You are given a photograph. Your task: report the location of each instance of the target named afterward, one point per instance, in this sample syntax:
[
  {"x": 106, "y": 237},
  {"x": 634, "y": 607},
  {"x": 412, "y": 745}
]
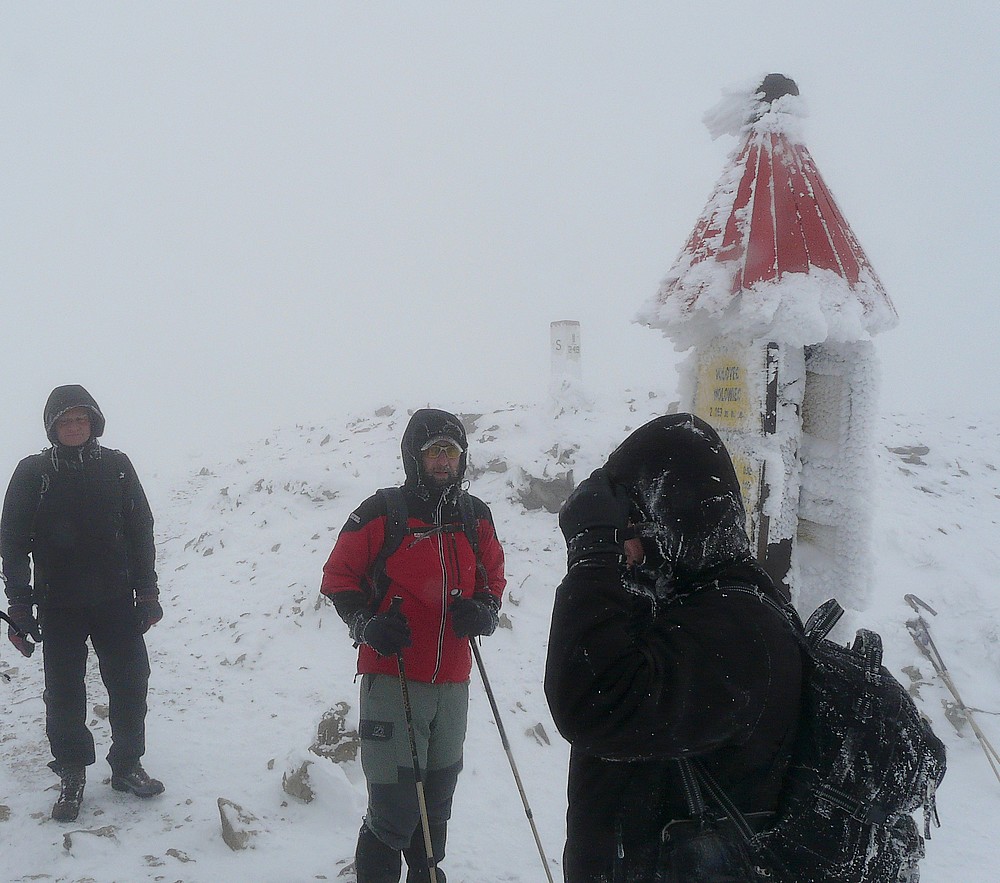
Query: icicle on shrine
[{"x": 778, "y": 303}]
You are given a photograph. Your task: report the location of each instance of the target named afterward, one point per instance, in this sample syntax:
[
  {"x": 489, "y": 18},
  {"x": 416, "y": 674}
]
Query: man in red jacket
[{"x": 448, "y": 597}]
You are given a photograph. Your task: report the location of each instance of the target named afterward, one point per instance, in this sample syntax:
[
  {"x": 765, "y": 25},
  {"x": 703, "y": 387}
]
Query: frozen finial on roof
[
  {"x": 744, "y": 106},
  {"x": 776, "y": 86}
]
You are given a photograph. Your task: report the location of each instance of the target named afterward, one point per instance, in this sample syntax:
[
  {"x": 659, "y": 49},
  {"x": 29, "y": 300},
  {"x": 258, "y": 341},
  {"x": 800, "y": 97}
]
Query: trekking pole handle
[{"x": 916, "y": 603}]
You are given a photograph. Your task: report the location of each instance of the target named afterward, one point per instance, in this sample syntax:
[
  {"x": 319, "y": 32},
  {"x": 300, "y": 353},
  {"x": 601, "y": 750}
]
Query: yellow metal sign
[
  {"x": 748, "y": 474},
  {"x": 723, "y": 393}
]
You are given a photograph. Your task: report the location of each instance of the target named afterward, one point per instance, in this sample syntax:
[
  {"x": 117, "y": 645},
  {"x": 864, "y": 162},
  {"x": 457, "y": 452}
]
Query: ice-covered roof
[{"x": 772, "y": 254}]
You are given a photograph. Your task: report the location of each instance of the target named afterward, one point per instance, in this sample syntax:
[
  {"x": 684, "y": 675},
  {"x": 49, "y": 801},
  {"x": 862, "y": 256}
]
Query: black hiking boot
[
  {"x": 136, "y": 782},
  {"x": 67, "y": 807},
  {"x": 374, "y": 862},
  {"x": 416, "y": 855}
]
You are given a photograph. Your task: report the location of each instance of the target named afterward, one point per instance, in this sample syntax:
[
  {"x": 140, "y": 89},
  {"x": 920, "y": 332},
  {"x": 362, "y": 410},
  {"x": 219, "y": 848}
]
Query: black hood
[
  {"x": 427, "y": 424},
  {"x": 680, "y": 477},
  {"x": 61, "y": 399}
]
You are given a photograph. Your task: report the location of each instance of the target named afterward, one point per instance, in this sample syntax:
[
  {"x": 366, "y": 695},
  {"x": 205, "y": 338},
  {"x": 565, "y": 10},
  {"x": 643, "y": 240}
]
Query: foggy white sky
[{"x": 222, "y": 217}]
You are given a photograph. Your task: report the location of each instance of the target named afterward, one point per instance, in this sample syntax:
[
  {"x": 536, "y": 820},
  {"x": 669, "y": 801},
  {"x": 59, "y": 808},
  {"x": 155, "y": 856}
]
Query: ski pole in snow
[
  {"x": 921, "y": 634},
  {"x": 397, "y": 604},
  {"x": 510, "y": 756}
]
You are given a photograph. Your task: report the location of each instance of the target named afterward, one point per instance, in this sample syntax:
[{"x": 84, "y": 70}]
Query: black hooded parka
[
  {"x": 655, "y": 663},
  {"x": 78, "y": 517},
  {"x": 81, "y": 515}
]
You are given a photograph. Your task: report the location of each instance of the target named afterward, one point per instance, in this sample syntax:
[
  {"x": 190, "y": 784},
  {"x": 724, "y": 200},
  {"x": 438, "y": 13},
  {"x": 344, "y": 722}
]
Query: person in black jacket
[
  {"x": 661, "y": 648},
  {"x": 76, "y": 518}
]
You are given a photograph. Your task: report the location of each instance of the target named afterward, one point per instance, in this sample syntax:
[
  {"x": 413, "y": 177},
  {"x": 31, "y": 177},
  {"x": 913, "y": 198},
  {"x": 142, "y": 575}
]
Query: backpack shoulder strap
[
  {"x": 808, "y": 636},
  {"x": 471, "y": 527},
  {"x": 468, "y": 512},
  {"x": 395, "y": 529}
]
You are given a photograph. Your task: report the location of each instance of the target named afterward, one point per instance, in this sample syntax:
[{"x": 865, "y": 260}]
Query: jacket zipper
[{"x": 444, "y": 592}]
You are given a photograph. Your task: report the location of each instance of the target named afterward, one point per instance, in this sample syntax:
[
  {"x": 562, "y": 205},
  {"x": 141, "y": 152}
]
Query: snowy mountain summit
[{"x": 253, "y": 703}]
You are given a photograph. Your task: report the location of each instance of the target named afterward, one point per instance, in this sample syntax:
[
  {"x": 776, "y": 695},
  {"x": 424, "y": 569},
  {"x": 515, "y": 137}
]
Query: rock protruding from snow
[
  {"x": 239, "y": 826},
  {"x": 333, "y": 739},
  {"x": 548, "y": 493},
  {"x": 296, "y": 783}
]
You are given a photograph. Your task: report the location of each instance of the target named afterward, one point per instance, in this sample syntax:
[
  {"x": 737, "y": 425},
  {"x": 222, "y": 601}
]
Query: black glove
[
  {"x": 386, "y": 633},
  {"x": 149, "y": 610},
  {"x": 474, "y": 616},
  {"x": 24, "y": 620},
  {"x": 594, "y": 519}
]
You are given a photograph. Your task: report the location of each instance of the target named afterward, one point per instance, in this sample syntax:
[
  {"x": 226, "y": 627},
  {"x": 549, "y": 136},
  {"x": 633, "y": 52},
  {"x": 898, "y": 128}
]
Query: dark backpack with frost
[{"x": 863, "y": 762}]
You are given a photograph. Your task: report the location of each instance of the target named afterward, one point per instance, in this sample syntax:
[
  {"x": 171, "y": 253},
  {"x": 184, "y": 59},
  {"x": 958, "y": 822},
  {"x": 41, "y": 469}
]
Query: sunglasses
[{"x": 452, "y": 452}]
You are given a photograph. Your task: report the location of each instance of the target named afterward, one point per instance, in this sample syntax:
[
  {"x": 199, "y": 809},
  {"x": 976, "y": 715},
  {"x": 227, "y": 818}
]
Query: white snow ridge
[{"x": 253, "y": 700}]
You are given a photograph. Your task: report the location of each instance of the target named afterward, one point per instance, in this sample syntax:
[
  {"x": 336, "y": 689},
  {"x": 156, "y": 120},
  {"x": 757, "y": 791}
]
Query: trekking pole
[
  {"x": 510, "y": 756},
  {"x": 14, "y": 627},
  {"x": 397, "y": 605},
  {"x": 921, "y": 634},
  {"x": 17, "y": 631}
]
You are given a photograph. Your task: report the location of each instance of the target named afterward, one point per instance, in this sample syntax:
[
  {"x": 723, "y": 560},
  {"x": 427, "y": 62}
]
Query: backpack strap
[
  {"x": 396, "y": 528},
  {"x": 470, "y": 526},
  {"x": 823, "y": 619},
  {"x": 396, "y": 518}
]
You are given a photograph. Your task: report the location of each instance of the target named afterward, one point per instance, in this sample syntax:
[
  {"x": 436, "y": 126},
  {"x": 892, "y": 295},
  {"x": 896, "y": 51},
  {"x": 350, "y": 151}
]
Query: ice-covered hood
[
  {"x": 62, "y": 399},
  {"x": 425, "y": 425},
  {"x": 682, "y": 481}
]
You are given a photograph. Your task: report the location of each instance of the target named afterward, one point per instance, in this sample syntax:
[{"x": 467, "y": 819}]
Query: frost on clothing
[{"x": 657, "y": 663}]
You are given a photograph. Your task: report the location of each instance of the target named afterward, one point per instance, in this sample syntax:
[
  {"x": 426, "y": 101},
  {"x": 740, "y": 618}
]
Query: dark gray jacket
[{"x": 79, "y": 517}]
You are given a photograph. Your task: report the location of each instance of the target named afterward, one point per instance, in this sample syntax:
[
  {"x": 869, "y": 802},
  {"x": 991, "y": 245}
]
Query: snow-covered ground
[{"x": 246, "y": 662}]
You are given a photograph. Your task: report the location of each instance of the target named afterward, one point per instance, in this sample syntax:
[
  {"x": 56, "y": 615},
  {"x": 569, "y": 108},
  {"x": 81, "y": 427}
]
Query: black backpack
[
  {"x": 863, "y": 761},
  {"x": 396, "y": 529}
]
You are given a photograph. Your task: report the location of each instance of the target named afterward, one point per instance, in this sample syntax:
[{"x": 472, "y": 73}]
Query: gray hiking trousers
[{"x": 440, "y": 713}]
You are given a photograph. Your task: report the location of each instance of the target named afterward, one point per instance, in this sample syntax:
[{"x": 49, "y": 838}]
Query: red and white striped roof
[{"x": 772, "y": 222}]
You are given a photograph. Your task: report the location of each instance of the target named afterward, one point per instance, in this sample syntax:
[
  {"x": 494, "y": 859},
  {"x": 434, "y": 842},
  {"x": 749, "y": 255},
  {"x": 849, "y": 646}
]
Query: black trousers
[{"x": 113, "y": 629}]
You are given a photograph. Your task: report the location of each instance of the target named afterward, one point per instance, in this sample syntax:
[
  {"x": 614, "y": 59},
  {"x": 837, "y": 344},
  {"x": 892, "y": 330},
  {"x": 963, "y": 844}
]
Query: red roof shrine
[{"x": 770, "y": 217}]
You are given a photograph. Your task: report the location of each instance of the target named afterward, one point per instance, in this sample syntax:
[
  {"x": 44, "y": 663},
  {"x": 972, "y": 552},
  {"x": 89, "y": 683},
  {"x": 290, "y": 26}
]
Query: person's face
[
  {"x": 440, "y": 462},
  {"x": 73, "y": 427},
  {"x": 634, "y": 553}
]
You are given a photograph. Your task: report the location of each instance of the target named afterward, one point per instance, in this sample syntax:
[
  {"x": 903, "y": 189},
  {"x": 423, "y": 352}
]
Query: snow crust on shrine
[
  {"x": 771, "y": 255},
  {"x": 778, "y": 303}
]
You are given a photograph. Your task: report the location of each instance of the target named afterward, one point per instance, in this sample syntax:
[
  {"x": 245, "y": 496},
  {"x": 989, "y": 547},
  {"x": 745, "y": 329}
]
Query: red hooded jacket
[{"x": 430, "y": 569}]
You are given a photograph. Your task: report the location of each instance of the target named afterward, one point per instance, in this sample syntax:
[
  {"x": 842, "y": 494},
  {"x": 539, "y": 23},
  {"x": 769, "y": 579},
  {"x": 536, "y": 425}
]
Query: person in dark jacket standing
[
  {"x": 448, "y": 598},
  {"x": 661, "y": 647},
  {"x": 76, "y": 519}
]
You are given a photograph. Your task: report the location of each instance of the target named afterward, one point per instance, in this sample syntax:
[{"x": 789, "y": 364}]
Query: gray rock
[
  {"x": 546, "y": 493},
  {"x": 297, "y": 784},
  {"x": 239, "y": 826},
  {"x": 333, "y": 740}
]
